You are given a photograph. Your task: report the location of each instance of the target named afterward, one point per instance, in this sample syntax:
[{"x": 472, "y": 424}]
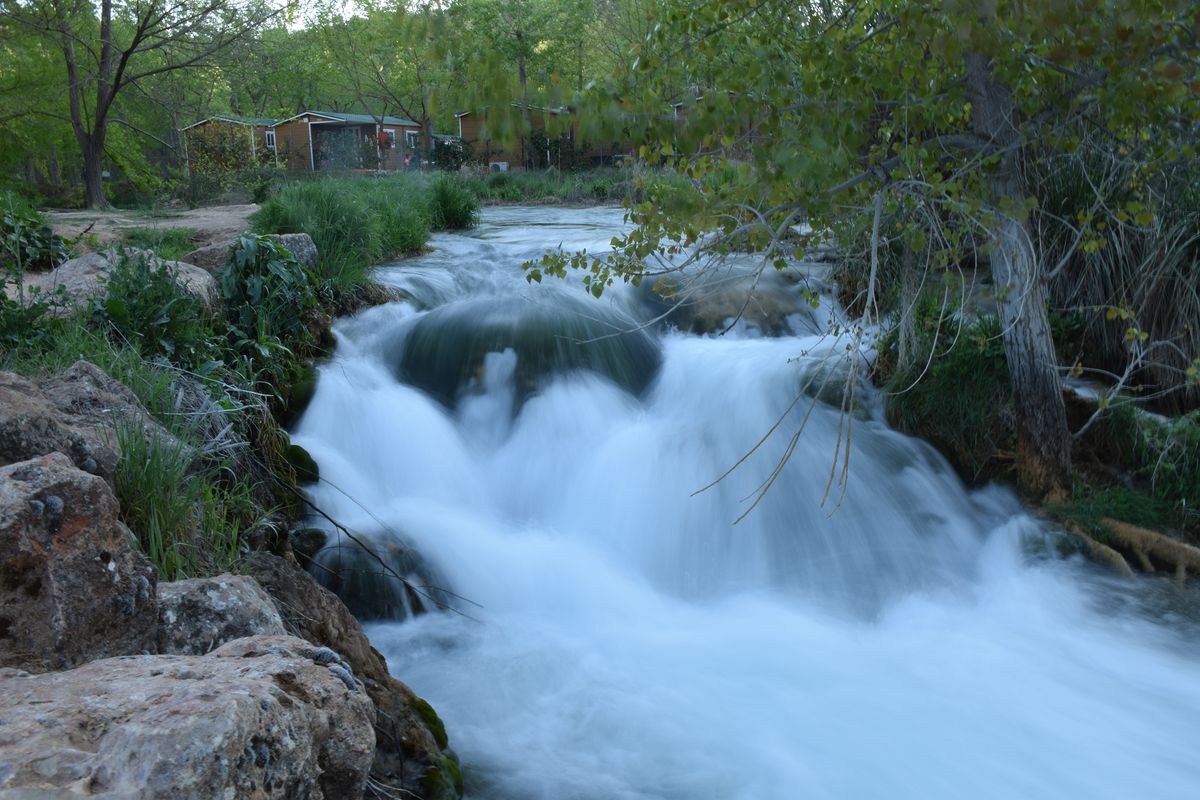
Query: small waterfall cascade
[{"x": 624, "y": 626}]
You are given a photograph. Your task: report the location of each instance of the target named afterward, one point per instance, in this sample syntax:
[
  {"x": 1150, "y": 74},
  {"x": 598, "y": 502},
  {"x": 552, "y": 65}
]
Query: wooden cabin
[
  {"x": 318, "y": 140},
  {"x": 498, "y": 139},
  {"x": 226, "y": 143}
]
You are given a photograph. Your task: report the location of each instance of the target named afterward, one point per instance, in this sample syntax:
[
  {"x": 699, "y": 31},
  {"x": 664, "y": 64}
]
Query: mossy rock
[
  {"x": 433, "y": 722},
  {"x": 305, "y": 466},
  {"x": 444, "y": 352},
  {"x": 443, "y": 780},
  {"x": 307, "y": 542},
  {"x": 297, "y": 395}
]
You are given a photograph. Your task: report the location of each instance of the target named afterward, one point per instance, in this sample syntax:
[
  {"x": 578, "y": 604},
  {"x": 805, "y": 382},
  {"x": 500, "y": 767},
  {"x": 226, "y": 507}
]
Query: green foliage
[
  {"x": 169, "y": 243},
  {"x": 452, "y": 205},
  {"x": 607, "y": 184},
  {"x": 961, "y": 401},
  {"x": 1127, "y": 234},
  {"x": 449, "y": 155},
  {"x": 26, "y": 242},
  {"x": 144, "y": 303},
  {"x": 1162, "y": 455},
  {"x": 269, "y": 297}
]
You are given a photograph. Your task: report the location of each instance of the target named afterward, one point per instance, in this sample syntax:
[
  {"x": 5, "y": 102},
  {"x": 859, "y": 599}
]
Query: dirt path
[{"x": 212, "y": 225}]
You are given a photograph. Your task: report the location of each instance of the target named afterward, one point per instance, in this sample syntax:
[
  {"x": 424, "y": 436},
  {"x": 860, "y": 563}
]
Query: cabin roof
[
  {"x": 263, "y": 121},
  {"x": 357, "y": 119}
]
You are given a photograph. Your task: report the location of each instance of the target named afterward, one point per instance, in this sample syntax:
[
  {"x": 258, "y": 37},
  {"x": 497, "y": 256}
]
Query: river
[{"x": 616, "y": 636}]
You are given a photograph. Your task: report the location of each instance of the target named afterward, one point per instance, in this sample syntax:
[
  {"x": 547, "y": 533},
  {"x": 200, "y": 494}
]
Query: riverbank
[{"x": 144, "y": 412}]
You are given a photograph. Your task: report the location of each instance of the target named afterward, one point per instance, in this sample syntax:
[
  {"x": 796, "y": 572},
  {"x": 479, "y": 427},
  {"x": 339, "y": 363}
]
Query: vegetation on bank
[
  {"x": 357, "y": 222},
  {"x": 217, "y": 380}
]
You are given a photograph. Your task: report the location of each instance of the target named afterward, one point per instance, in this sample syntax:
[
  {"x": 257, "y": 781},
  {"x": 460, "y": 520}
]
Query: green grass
[
  {"x": 169, "y": 243},
  {"x": 1090, "y": 504},
  {"x": 355, "y": 222}
]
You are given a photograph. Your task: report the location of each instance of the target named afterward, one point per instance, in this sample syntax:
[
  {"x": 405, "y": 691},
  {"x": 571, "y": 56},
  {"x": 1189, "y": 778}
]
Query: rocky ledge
[{"x": 259, "y": 685}]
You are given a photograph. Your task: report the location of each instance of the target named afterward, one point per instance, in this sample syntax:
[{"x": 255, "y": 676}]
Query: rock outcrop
[
  {"x": 72, "y": 589},
  {"x": 201, "y": 614},
  {"x": 74, "y": 413},
  {"x": 212, "y": 259},
  {"x": 411, "y": 746},
  {"x": 262, "y": 717}
]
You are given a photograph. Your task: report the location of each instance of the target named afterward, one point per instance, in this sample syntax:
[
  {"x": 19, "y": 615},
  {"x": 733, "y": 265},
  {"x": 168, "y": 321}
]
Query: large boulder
[
  {"x": 75, "y": 413},
  {"x": 201, "y": 614},
  {"x": 84, "y": 277},
  {"x": 72, "y": 589},
  {"x": 213, "y": 258},
  {"x": 263, "y": 717},
  {"x": 412, "y": 751}
]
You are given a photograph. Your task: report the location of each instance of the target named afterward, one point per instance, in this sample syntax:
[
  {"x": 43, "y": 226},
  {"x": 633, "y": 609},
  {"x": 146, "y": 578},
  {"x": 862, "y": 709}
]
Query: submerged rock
[
  {"x": 444, "y": 353},
  {"x": 72, "y": 588},
  {"x": 411, "y": 751},
  {"x": 262, "y": 717},
  {"x": 392, "y": 581},
  {"x": 719, "y": 299},
  {"x": 201, "y": 614}
]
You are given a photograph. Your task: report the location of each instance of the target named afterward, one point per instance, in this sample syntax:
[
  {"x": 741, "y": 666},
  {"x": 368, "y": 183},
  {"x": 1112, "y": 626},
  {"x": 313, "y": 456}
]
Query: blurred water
[{"x": 901, "y": 639}]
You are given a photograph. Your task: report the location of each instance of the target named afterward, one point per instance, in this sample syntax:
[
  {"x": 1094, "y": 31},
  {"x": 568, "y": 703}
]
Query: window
[
  {"x": 388, "y": 139},
  {"x": 412, "y": 139},
  {"x": 270, "y": 137}
]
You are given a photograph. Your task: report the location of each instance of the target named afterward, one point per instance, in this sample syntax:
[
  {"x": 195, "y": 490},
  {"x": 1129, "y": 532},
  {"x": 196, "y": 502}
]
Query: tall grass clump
[
  {"x": 355, "y": 223},
  {"x": 1137, "y": 267},
  {"x": 174, "y": 511},
  {"x": 145, "y": 304},
  {"x": 452, "y": 206}
]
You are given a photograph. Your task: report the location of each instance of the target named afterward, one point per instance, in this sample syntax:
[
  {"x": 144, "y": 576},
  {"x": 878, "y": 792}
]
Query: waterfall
[{"x": 613, "y": 634}]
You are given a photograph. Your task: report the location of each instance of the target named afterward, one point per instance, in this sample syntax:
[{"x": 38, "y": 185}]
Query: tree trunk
[
  {"x": 1043, "y": 439},
  {"x": 93, "y": 172}
]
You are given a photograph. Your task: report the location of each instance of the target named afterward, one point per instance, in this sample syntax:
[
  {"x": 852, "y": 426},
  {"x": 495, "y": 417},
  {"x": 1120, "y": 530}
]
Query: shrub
[
  {"x": 452, "y": 205},
  {"x": 26, "y": 242},
  {"x": 268, "y": 296},
  {"x": 1162, "y": 455},
  {"x": 144, "y": 304}
]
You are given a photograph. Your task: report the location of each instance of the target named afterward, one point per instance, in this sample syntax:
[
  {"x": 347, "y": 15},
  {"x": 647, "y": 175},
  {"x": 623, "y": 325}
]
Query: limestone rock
[
  {"x": 82, "y": 278},
  {"x": 411, "y": 746},
  {"x": 213, "y": 258},
  {"x": 263, "y": 717},
  {"x": 199, "y": 615},
  {"x": 74, "y": 413},
  {"x": 71, "y": 586},
  {"x": 300, "y": 245}
]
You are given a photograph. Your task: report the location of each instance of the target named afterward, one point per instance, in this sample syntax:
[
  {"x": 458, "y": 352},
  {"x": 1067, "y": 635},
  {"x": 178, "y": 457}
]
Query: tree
[
  {"x": 119, "y": 44},
  {"x": 920, "y": 117},
  {"x": 395, "y": 59}
]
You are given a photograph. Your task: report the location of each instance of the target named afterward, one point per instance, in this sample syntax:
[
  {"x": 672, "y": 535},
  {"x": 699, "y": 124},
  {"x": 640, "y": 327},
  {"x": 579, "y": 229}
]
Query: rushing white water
[{"x": 626, "y": 640}]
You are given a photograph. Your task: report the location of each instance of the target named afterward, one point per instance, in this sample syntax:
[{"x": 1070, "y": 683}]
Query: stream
[{"x": 614, "y": 635}]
